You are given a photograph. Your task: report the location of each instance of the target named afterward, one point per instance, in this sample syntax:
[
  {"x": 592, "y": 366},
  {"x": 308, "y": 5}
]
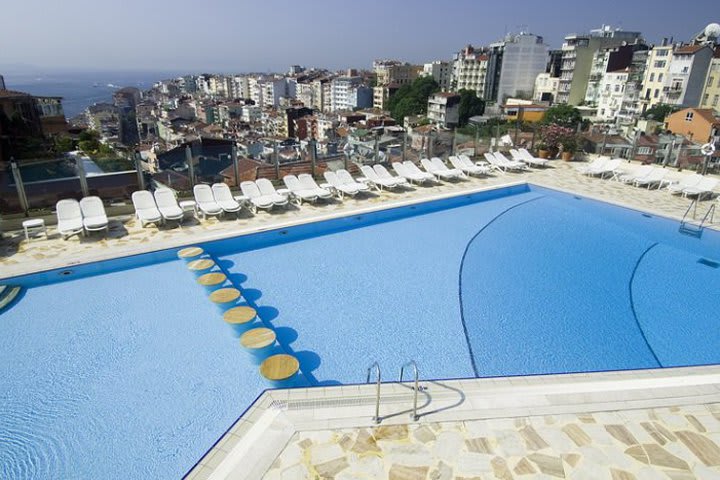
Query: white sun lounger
[
  {"x": 469, "y": 169},
  {"x": 167, "y": 205},
  {"x": 205, "y": 201},
  {"x": 638, "y": 173},
  {"x": 146, "y": 210},
  {"x": 527, "y": 157},
  {"x": 514, "y": 164},
  {"x": 687, "y": 181},
  {"x": 268, "y": 190},
  {"x": 347, "y": 179},
  {"x": 383, "y": 173},
  {"x": 593, "y": 166},
  {"x": 705, "y": 187},
  {"x": 69, "y": 218},
  {"x": 651, "y": 179},
  {"x": 431, "y": 166},
  {"x": 308, "y": 183},
  {"x": 94, "y": 217},
  {"x": 224, "y": 198},
  {"x": 257, "y": 200},
  {"x": 413, "y": 170},
  {"x": 341, "y": 189},
  {"x": 501, "y": 163},
  {"x": 300, "y": 193},
  {"x": 375, "y": 180}
]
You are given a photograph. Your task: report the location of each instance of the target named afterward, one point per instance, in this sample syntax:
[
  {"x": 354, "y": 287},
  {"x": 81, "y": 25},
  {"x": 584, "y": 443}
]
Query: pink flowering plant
[{"x": 552, "y": 136}]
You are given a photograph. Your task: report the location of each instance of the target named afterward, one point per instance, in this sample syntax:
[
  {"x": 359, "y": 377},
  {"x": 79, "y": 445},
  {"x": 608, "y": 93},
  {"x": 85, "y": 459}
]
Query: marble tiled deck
[{"x": 127, "y": 237}]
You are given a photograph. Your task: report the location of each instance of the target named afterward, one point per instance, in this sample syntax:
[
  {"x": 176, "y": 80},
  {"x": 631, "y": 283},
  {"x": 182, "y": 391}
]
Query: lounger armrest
[
  {"x": 241, "y": 199},
  {"x": 285, "y": 192},
  {"x": 363, "y": 180}
]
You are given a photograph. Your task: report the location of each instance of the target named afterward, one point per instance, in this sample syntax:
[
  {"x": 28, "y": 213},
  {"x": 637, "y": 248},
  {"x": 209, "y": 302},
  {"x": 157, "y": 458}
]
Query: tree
[
  {"x": 470, "y": 106},
  {"x": 64, "y": 144},
  {"x": 659, "y": 112},
  {"x": 563, "y": 115},
  {"x": 412, "y": 99}
]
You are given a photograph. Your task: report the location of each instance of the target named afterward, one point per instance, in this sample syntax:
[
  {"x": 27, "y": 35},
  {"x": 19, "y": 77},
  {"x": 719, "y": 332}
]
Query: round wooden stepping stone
[
  {"x": 257, "y": 338},
  {"x": 279, "y": 367},
  {"x": 199, "y": 265},
  {"x": 240, "y": 315},
  {"x": 190, "y": 252},
  {"x": 211, "y": 279},
  {"x": 225, "y": 295}
]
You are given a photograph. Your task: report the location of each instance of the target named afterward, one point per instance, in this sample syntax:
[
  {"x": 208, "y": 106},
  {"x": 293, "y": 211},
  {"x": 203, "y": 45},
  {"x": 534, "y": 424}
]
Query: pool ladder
[
  {"x": 375, "y": 367},
  {"x": 689, "y": 228}
]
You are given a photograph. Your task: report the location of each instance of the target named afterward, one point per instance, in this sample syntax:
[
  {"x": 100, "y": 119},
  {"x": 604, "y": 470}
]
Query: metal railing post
[
  {"x": 313, "y": 156},
  {"x": 191, "y": 167},
  {"x": 404, "y": 145},
  {"x": 19, "y": 186},
  {"x": 416, "y": 388},
  {"x": 375, "y": 366},
  {"x": 236, "y": 170},
  {"x": 139, "y": 170},
  {"x": 80, "y": 170}
]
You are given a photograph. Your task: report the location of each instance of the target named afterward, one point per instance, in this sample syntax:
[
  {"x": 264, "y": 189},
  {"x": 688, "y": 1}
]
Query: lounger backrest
[
  {"x": 368, "y": 172},
  {"x": 381, "y": 171},
  {"x": 411, "y": 167},
  {"x": 165, "y": 198},
  {"x": 143, "y": 200},
  {"x": 691, "y": 180},
  {"x": 438, "y": 164},
  {"x": 203, "y": 194},
  {"x": 611, "y": 165},
  {"x": 68, "y": 209},
  {"x": 250, "y": 190},
  {"x": 345, "y": 177},
  {"x": 265, "y": 186},
  {"x": 222, "y": 192},
  {"x": 400, "y": 169},
  {"x": 92, "y": 207},
  {"x": 501, "y": 157},
  {"x": 707, "y": 184},
  {"x": 292, "y": 183},
  {"x": 465, "y": 160},
  {"x": 456, "y": 162},
  {"x": 643, "y": 171},
  {"x": 427, "y": 165},
  {"x": 331, "y": 178},
  {"x": 491, "y": 158},
  {"x": 307, "y": 181}
]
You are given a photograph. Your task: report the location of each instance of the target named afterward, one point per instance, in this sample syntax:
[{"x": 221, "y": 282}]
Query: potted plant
[
  {"x": 543, "y": 151},
  {"x": 552, "y": 137},
  {"x": 569, "y": 147}
]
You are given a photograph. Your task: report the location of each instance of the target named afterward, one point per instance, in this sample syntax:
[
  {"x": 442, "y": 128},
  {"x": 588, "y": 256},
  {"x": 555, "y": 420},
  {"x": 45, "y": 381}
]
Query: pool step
[{"x": 8, "y": 293}]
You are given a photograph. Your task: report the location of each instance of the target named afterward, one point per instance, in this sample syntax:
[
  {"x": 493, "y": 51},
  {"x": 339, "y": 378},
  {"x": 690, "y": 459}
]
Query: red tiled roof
[
  {"x": 688, "y": 49},
  {"x": 13, "y": 93}
]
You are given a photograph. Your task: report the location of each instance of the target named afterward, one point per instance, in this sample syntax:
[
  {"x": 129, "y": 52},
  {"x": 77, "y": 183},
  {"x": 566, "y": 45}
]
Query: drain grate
[{"x": 709, "y": 263}]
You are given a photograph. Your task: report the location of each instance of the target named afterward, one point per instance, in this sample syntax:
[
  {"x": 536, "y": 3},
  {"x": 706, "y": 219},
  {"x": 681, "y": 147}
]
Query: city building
[
  {"x": 348, "y": 93},
  {"x": 382, "y": 93},
  {"x": 699, "y": 125},
  {"x": 251, "y": 113},
  {"x": 711, "y": 89},
  {"x": 393, "y": 71},
  {"x": 657, "y": 69},
  {"x": 523, "y": 57},
  {"x": 523, "y": 111},
  {"x": 440, "y": 71},
  {"x": 444, "y": 109},
  {"x": 470, "y": 66},
  {"x": 577, "y": 59},
  {"x": 614, "y": 59},
  {"x": 126, "y": 101},
  {"x": 685, "y": 81},
  {"x": 546, "y": 88}
]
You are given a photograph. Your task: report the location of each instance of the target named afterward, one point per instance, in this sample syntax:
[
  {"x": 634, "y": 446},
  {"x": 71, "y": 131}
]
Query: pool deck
[{"x": 644, "y": 424}]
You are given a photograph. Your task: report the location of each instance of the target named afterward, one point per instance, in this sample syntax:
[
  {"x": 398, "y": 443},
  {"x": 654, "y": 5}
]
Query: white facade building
[
  {"x": 440, "y": 71},
  {"x": 524, "y": 56},
  {"x": 251, "y": 113},
  {"x": 444, "y": 109},
  {"x": 546, "y": 88}
]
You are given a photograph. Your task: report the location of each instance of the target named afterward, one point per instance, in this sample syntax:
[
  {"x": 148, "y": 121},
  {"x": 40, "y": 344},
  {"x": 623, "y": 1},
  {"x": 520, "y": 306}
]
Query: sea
[{"x": 82, "y": 89}]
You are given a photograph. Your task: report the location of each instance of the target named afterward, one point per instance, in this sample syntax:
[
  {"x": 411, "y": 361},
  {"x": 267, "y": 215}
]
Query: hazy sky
[{"x": 270, "y": 35}]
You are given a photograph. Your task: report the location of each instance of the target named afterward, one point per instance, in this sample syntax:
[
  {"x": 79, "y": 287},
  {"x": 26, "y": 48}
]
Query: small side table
[
  {"x": 34, "y": 226},
  {"x": 189, "y": 206},
  {"x": 284, "y": 192}
]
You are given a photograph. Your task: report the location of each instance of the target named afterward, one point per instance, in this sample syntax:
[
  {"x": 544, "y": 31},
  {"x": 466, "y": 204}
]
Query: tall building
[
  {"x": 469, "y": 72},
  {"x": 524, "y": 56},
  {"x": 656, "y": 72},
  {"x": 126, "y": 100},
  {"x": 395, "y": 72},
  {"x": 613, "y": 59},
  {"x": 348, "y": 93},
  {"x": 685, "y": 81},
  {"x": 444, "y": 109},
  {"x": 578, "y": 52},
  {"x": 711, "y": 89},
  {"x": 440, "y": 71}
]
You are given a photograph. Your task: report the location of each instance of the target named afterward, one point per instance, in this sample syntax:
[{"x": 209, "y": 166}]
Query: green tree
[
  {"x": 470, "y": 106},
  {"x": 563, "y": 115},
  {"x": 64, "y": 144},
  {"x": 412, "y": 99},
  {"x": 659, "y": 112}
]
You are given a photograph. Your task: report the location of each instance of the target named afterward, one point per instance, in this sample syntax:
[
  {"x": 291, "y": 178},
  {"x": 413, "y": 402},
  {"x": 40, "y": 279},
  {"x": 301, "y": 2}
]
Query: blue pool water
[{"x": 125, "y": 366}]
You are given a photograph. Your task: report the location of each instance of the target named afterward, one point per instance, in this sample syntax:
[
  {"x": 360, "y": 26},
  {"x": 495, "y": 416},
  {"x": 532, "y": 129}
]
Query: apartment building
[
  {"x": 382, "y": 93},
  {"x": 522, "y": 58},
  {"x": 657, "y": 69},
  {"x": 614, "y": 59},
  {"x": 546, "y": 88},
  {"x": 696, "y": 124},
  {"x": 711, "y": 89},
  {"x": 577, "y": 59},
  {"x": 348, "y": 93},
  {"x": 440, "y": 71},
  {"x": 444, "y": 109},
  {"x": 470, "y": 69},
  {"x": 685, "y": 81},
  {"x": 395, "y": 72}
]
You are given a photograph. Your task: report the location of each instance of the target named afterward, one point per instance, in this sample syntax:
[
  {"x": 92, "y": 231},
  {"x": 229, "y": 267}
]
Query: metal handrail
[
  {"x": 710, "y": 213},
  {"x": 692, "y": 206},
  {"x": 412, "y": 364},
  {"x": 375, "y": 366}
]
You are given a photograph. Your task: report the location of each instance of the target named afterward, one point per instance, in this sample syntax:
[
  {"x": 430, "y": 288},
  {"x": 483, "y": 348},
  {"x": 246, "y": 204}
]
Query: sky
[{"x": 269, "y": 35}]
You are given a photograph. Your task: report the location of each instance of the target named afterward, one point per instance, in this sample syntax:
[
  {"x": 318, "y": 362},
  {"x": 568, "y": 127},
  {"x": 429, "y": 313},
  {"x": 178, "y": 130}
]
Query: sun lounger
[
  {"x": 383, "y": 173},
  {"x": 257, "y": 200},
  {"x": 300, "y": 193},
  {"x": 224, "y": 198},
  {"x": 268, "y": 190},
  {"x": 651, "y": 179},
  {"x": 527, "y": 157},
  {"x": 593, "y": 166},
  {"x": 308, "y": 183},
  {"x": 146, "y": 210},
  {"x": 705, "y": 187},
  {"x": 514, "y": 164},
  {"x": 501, "y": 163},
  {"x": 69, "y": 218},
  {"x": 636, "y": 174},
  {"x": 467, "y": 168},
  {"x": 687, "y": 181},
  {"x": 412, "y": 172},
  {"x": 205, "y": 201},
  {"x": 93, "y": 212},
  {"x": 440, "y": 170},
  {"x": 167, "y": 205},
  {"x": 375, "y": 180}
]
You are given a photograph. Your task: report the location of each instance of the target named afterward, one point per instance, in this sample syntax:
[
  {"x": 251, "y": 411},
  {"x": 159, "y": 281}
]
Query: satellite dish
[{"x": 712, "y": 30}]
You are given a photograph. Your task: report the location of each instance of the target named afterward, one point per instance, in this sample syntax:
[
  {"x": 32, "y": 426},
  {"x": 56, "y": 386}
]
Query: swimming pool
[{"x": 125, "y": 366}]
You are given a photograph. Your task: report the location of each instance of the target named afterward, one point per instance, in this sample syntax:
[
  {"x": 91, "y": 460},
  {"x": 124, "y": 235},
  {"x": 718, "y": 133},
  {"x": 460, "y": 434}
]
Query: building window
[
  {"x": 689, "y": 117},
  {"x": 706, "y": 97},
  {"x": 710, "y": 81},
  {"x": 652, "y": 77},
  {"x": 659, "y": 64},
  {"x": 662, "y": 53},
  {"x": 685, "y": 69},
  {"x": 660, "y": 77},
  {"x": 716, "y": 98},
  {"x": 644, "y": 151},
  {"x": 657, "y": 93}
]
